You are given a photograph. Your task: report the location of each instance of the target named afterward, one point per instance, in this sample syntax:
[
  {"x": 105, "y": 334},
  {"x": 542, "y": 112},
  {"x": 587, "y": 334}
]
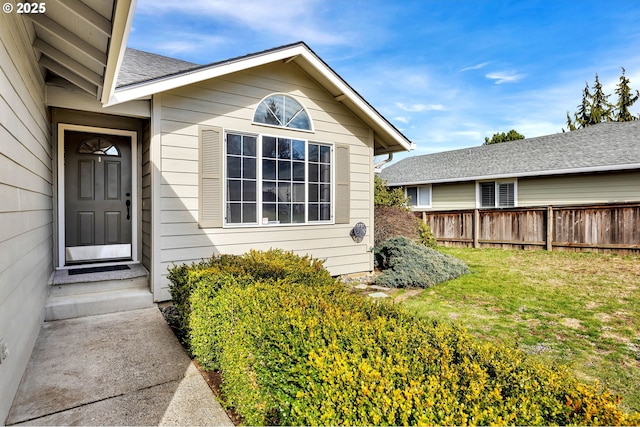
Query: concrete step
[{"x": 89, "y": 294}]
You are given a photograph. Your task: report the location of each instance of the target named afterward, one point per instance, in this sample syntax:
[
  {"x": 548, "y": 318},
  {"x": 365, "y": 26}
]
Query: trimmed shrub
[
  {"x": 293, "y": 354},
  {"x": 252, "y": 266},
  {"x": 406, "y": 264}
]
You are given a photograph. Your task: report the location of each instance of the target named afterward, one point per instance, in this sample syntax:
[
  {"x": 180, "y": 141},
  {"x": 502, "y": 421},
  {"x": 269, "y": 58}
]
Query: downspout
[{"x": 377, "y": 167}]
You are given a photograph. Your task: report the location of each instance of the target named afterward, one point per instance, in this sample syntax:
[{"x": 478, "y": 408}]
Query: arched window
[
  {"x": 282, "y": 111},
  {"x": 99, "y": 145}
]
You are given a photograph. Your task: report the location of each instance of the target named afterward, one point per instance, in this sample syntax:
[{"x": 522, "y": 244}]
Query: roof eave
[
  {"x": 122, "y": 19},
  {"x": 593, "y": 169},
  {"x": 301, "y": 54}
]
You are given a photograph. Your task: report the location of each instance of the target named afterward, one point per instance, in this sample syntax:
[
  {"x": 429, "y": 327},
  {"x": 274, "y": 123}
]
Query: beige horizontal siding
[
  {"x": 580, "y": 189},
  {"x": 453, "y": 196},
  {"x": 26, "y": 210},
  {"x": 229, "y": 103}
]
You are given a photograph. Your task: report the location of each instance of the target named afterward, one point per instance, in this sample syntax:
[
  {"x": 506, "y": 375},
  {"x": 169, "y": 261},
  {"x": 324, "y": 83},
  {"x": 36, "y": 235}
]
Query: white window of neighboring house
[
  {"x": 496, "y": 194},
  {"x": 271, "y": 180},
  {"x": 282, "y": 111},
  {"x": 420, "y": 196}
]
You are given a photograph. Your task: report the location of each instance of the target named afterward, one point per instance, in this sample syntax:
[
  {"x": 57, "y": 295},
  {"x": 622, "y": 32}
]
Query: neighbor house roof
[
  {"x": 603, "y": 147},
  {"x": 167, "y": 74}
]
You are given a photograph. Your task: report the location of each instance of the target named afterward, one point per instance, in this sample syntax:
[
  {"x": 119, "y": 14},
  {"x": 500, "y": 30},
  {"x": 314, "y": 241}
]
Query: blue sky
[{"x": 446, "y": 73}]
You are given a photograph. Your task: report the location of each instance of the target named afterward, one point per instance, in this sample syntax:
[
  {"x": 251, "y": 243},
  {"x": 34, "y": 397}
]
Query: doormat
[{"x": 100, "y": 269}]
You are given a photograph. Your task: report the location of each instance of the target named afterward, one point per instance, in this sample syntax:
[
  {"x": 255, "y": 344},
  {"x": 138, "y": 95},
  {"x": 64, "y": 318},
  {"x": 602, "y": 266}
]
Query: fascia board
[
  {"x": 189, "y": 77},
  {"x": 122, "y": 20},
  {"x": 595, "y": 169}
]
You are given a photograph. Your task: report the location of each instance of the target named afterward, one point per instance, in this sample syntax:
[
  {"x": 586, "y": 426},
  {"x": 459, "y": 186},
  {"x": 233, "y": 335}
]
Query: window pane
[
  {"x": 284, "y": 170},
  {"x": 268, "y": 169},
  {"x": 314, "y": 212},
  {"x": 269, "y": 211},
  {"x": 284, "y": 191},
  {"x": 249, "y": 213},
  {"x": 249, "y": 169},
  {"x": 249, "y": 146},
  {"x": 249, "y": 191},
  {"x": 424, "y": 196},
  {"x": 506, "y": 196},
  {"x": 301, "y": 121},
  {"x": 412, "y": 192},
  {"x": 284, "y": 213},
  {"x": 487, "y": 194},
  {"x": 234, "y": 213},
  {"x": 325, "y": 212},
  {"x": 298, "y": 213},
  {"x": 234, "y": 167},
  {"x": 314, "y": 173},
  {"x": 298, "y": 150},
  {"x": 314, "y": 192},
  {"x": 325, "y": 173},
  {"x": 234, "y": 190},
  {"x": 268, "y": 147},
  {"x": 298, "y": 171},
  {"x": 325, "y": 192},
  {"x": 268, "y": 191},
  {"x": 284, "y": 148},
  {"x": 325, "y": 154},
  {"x": 298, "y": 193},
  {"x": 234, "y": 144},
  {"x": 313, "y": 152}
]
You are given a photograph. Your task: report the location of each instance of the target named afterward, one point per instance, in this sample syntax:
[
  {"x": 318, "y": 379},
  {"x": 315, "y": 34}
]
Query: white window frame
[
  {"x": 418, "y": 187},
  {"x": 260, "y": 179},
  {"x": 311, "y": 127},
  {"x": 496, "y": 202}
]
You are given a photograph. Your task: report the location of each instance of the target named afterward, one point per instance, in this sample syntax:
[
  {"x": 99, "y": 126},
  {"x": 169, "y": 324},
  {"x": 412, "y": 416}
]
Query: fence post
[
  {"x": 549, "y": 228},
  {"x": 476, "y": 228}
]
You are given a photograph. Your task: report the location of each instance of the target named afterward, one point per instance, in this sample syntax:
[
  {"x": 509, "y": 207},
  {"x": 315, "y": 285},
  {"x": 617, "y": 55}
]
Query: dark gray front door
[{"x": 97, "y": 196}]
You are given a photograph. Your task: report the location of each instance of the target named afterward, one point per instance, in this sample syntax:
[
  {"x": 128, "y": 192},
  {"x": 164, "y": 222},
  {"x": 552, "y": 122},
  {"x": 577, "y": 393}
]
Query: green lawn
[{"x": 580, "y": 309}]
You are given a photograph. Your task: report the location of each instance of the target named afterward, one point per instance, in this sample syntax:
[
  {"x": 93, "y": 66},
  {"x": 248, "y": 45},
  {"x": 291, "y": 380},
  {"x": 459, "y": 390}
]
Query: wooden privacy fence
[{"x": 602, "y": 228}]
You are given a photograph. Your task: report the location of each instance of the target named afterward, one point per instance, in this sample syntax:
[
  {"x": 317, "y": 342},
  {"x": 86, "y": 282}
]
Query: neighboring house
[
  {"x": 595, "y": 165},
  {"x": 174, "y": 162}
]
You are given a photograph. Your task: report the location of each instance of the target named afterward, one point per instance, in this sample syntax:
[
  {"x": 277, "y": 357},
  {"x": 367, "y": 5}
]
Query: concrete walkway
[{"x": 113, "y": 369}]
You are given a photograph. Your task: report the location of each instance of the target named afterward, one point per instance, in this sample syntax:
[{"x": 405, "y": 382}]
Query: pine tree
[
  {"x": 625, "y": 100},
  {"x": 583, "y": 115},
  {"x": 497, "y": 138},
  {"x": 601, "y": 108}
]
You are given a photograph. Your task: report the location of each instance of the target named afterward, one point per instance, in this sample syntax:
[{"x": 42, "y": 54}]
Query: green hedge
[{"x": 314, "y": 353}]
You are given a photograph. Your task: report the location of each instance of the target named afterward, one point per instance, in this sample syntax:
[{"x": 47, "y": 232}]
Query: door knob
[{"x": 128, "y": 203}]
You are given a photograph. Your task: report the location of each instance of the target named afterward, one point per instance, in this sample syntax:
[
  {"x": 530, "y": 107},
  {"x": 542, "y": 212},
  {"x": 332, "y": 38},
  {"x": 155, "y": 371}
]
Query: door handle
[{"x": 128, "y": 203}]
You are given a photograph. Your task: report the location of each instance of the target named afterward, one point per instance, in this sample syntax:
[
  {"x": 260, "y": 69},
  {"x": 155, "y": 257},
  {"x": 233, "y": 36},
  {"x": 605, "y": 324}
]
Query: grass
[{"x": 578, "y": 309}]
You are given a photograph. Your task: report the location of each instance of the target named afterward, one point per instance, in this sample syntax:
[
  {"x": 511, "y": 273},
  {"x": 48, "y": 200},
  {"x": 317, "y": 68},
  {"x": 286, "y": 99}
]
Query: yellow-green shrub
[{"x": 295, "y": 354}]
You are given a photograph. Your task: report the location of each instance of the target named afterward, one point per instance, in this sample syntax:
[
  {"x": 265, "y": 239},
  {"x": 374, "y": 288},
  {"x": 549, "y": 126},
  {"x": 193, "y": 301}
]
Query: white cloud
[
  {"x": 476, "y": 67},
  {"x": 418, "y": 108},
  {"x": 402, "y": 119},
  {"x": 505, "y": 77}
]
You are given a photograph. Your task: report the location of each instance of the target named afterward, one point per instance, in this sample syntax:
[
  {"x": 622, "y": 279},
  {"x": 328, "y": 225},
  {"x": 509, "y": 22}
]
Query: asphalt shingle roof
[
  {"x": 139, "y": 66},
  {"x": 610, "y": 144}
]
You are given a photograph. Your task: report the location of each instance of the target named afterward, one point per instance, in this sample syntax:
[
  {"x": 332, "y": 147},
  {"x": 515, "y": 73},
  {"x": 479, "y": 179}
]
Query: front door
[{"x": 98, "y": 208}]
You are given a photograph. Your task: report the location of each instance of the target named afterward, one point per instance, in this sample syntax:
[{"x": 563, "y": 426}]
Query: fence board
[{"x": 601, "y": 228}]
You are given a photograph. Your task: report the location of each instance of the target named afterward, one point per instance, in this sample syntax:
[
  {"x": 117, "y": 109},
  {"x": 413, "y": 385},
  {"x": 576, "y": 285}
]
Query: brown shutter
[
  {"x": 343, "y": 184},
  {"x": 210, "y": 177}
]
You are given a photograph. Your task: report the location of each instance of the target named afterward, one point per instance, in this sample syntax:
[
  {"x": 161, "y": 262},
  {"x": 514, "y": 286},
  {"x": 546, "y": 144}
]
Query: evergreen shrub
[
  {"x": 294, "y": 354},
  {"x": 405, "y": 264}
]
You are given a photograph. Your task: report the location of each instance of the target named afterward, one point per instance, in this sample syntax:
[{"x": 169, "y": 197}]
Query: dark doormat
[{"x": 100, "y": 269}]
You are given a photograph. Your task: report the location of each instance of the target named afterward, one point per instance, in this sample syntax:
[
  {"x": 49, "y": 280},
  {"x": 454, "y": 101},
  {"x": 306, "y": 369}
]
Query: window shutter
[
  {"x": 210, "y": 177},
  {"x": 343, "y": 184}
]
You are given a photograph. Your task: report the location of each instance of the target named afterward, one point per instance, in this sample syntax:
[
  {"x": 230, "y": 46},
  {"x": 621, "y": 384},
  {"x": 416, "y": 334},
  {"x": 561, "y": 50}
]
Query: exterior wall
[
  {"x": 453, "y": 196},
  {"x": 580, "y": 189},
  {"x": 146, "y": 196},
  {"x": 229, "y": 103},
  {"x": 26, "y": 192}
]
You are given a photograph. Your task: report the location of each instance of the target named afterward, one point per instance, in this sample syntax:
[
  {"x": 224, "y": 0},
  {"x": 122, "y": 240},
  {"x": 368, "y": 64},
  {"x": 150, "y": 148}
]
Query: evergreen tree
[
  {"x": 625, "y": 100},
  {"x": 601, "y": 108},
  {"x": 497, "y": 138}
]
